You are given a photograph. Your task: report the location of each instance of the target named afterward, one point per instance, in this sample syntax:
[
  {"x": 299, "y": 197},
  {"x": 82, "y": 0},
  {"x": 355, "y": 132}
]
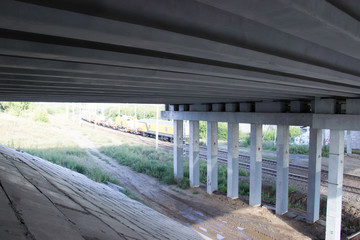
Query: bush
[
  {"x": 222, "y": 131},
  {"x": 325, "y": 151},
  {"x": 243, "y": 172},
  {"x": 295, "y": 131},
  {"x": 270, "y": 135},
  {"x": 298, "y": 149},
  {"x": 269, "y": 146},
  {"x": 15, "y": 108},
  {"x": 145, "y": 160},
  {"x": 245, "y": 141},
  {"x": 202, "y": 130},
  {"x": 74, "y": 159},
  {"x": 41, "y": 116},
  {"x": 183, "y": 183},
  {"x": 244, "y": 189}
]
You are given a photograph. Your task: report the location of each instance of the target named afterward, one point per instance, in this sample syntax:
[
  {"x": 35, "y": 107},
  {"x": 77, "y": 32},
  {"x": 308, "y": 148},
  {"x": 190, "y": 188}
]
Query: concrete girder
[
  {"x": 317, "y": 121},
  {"x": 131, "y": 83},
  {"x": 20, "y": 48},
  {"x": 65, "y": 69},
  {"x": 100, "y": 80},
  {"x": 296, "y": 119},
  {"x": 284, "y": 13},
  {"x": 76, "y": 26}
]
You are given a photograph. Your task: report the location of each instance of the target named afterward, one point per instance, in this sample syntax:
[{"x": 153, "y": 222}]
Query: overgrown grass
[
  {"x": 293, "y": 149},
  {"x": 75, "y": 159},
  {"x": 144, "y": 160},
  {"x": 159, "y": 165},
  {"x": 128, "y": 193}
]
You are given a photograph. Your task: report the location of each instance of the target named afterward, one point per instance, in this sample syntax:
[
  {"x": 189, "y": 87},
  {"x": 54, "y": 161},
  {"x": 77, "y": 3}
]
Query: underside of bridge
[{"x": 281, "y": 62}]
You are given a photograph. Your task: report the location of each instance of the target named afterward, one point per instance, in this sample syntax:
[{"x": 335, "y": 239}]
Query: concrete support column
[
  {"x": 282, "y": 169},
  {"x": 335, "y": 181},
  {"x": 233, "y": 161},
  {"x": 212, "y": 152},
  {"x": 178, "y": 149},
  {"x": 194, "y": 161},
  {"x": 255, "y": 165},
  {"x": 348, "y": 141},
  {"x": 314, "y": 175}
]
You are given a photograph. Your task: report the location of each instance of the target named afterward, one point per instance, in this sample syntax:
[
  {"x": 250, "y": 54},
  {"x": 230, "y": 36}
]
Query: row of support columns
[{"x": 336, "y": 163}]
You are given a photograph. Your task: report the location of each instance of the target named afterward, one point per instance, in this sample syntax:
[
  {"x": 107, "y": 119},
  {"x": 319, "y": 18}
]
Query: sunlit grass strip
[
  {"x": 75, "y": 159},
  {"x": 159, "y": 164}
]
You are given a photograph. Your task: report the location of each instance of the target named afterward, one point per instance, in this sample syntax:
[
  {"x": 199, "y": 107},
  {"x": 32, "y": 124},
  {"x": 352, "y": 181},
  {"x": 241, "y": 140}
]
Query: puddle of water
[
  {"x": 218, "y": 236},
  {"x": 203, "y": 229}
]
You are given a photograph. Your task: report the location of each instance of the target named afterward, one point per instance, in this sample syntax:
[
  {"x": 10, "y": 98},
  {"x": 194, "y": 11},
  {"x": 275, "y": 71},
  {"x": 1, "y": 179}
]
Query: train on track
[{"x": 144, "y": 127}]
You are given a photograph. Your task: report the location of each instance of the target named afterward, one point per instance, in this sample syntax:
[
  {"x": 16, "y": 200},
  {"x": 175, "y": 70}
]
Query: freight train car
[
  {"x": 127, "y": 123},
  {"x": 144, "y": 127},
  {"x": 147, "y": 128}
]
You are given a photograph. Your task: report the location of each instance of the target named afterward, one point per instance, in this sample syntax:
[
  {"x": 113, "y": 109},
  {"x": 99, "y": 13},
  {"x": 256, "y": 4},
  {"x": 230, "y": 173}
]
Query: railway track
[{"x": 245, "y": 161}]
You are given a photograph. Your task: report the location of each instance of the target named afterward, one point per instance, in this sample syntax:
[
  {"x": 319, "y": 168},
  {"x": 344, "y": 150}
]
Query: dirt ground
[{"x": 215, "y": 216}]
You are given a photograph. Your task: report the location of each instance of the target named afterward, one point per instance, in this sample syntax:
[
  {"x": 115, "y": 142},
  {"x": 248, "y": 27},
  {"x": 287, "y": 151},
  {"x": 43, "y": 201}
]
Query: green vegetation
[
  {"x": 142, "y": 111},
  {"x": 144, "y": 160},
  {"x": 243, "y": 172},
  {"x": 293, "y": 148},
  {"x": 325, "y": 151},
  {"x": 292, "y": 189},
  {"x": 128, "y": 193},
  {"x": 298, "y": 149},
  {"x": 46, "y": 139},
  {"x": 16, "y": 108},
  {"x": 159, "y": 165},
  {"x": 40, "y": 115},
  {"x": 222, "y": 130},
  {"x": 75, "y": 159},
  {"x": 269, "y": 197}
]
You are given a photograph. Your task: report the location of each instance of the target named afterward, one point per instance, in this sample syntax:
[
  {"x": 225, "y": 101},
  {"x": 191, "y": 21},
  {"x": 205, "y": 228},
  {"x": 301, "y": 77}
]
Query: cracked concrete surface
[{"x": 41, "y": 200}]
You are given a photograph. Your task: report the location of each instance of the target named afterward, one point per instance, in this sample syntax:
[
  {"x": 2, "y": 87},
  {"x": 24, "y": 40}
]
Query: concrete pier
[
  {"x": 282, "y": 168},
  {"x": 314, "y": 175},
  {"x": 178, "y": 149},
  {"x": 255, "y": 165},
  {"x": 319, "y": 114},
  {"x": 348, "y": 140},
  {"x": 212, "y": 152},
  {"x": 335, "y": 182},
  {"x": 233, "y": 161},
  {"x": 194, "y": 162}
]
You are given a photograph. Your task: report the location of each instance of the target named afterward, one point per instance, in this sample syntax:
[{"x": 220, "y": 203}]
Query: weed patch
[{"x": 74, "y": 159}]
